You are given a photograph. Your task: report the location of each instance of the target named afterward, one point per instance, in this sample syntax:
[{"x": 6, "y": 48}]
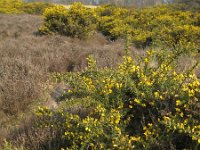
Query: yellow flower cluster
[
  {"x": 137, "y": 103},
  {"x": 57, "y": 9}
]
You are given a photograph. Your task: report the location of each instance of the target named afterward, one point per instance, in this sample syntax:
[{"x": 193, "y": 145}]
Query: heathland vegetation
[
  {"x": 137, "y": 3},
  {"x": 109, "y": 77}
]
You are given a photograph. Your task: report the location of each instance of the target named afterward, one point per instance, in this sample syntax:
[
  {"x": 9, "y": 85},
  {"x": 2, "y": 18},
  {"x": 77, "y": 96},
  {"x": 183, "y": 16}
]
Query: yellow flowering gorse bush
[
  {"x": 137, "y": 105},
  {"x": 78, "y": 21},
  {"x": 166, "y": 26},
  {"x": 19, "y": 6}
]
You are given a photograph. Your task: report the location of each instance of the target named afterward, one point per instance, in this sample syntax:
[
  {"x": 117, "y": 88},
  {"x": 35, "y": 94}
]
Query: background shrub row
[
  {"x": 167, "y": 25},
  {"x": 18, "y": 6}
]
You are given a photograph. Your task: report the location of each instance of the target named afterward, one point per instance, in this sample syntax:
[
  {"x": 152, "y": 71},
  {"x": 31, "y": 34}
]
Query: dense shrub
[
  {"x": 18, "y": 7},
  {"x": 36, "y": 7},
  {"x": 11, "y": 6},
  {"x": 166, "y": 25},
  {"x": 143, "y": 104},
  {"x": 111, "y": 21},
  {"x": 78, "y": 21},
  {"x": 186, "y": 35}
]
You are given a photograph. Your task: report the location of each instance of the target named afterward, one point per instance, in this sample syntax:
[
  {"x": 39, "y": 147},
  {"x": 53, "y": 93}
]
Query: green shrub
[
  {"x": 18, "y": 7},
  {"x": 143, "y": 104},
  {"x": 78, "y": 21},
  {"x": 111, "y": 21},
  {"x": 54, "y": 20},
  {"x": 185, "y": 35},
  {"x": 99, "y": 130},
  {"x": 11, "y": 6},
  {"x": 141, "y": 39},
  {"x": 36, "y": 7},
  {"x": 167, "y": 24}
]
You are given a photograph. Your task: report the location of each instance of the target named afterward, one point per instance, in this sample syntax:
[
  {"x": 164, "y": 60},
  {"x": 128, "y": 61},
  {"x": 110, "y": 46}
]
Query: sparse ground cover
[{"x": 96, "y": 91}]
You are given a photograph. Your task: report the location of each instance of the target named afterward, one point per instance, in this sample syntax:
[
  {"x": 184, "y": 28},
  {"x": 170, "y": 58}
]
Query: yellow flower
[
  {"x": 66, "y": 133},
  {"x": 178, "y": 102},
  {"x": 109, "y": 91},
  {"x": 146, "y": 60},
  {"x": 181, "y": 114},
  {"x": 166, "y": 118},
  {"x": 147, "y": 133},
  {"x": 148, "y": 83},
  {"x": 191, "y": 93},
  {"x": 134, "y": 138},
  {"x": 177, "y": 109},
  {"x": 137, "y": 101},
  {"x": 156, "y": 94},
  {"x": 118, "y": 130},
  {"x": 87, "y": 129},
  {"x": 161, "y": 97},
  {"x": 196, "y": 83},
  {"x": 142, "y": 94}
]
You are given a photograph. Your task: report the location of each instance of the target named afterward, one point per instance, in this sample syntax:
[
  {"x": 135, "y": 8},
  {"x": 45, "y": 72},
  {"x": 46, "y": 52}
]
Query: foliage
[
  {"x": 18, "y": 7},
  {"x": 143, "y": 104},
  {"x": 99, "y": 130},
  {"x": 166, "y": 25},
  {"x": 36, "y": 7},
  {"x": 111, "y": 21},
  {"x": 78, "y": 21},
  {"x": 11, "y": 6}
]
